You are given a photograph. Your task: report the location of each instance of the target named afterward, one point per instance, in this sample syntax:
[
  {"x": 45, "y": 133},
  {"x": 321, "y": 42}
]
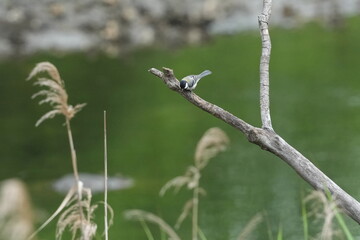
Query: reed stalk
[{"x": 105, "y": 182}]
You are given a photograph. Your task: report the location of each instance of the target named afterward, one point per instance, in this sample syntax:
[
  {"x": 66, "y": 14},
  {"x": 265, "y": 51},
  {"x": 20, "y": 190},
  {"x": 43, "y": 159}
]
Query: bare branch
[
  {"x": 264, "y": 64},
  {"x": 170, "y": 80},
  {"x": 157, "y": 73},
  {"x": 268, "y": 140}
]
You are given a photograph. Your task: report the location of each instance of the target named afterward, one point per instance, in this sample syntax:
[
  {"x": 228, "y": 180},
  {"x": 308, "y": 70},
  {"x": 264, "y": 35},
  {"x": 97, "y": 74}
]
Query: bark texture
[{"x": 264, "y": 65}]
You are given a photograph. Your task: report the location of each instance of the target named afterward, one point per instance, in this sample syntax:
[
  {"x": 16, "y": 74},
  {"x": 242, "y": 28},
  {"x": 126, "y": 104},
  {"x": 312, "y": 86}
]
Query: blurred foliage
[{"x": 152, "y": 132}]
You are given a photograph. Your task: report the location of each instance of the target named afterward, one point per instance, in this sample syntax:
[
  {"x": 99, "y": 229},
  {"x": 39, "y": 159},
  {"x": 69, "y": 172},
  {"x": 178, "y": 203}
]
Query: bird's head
[{"x": 184, "y": 84}]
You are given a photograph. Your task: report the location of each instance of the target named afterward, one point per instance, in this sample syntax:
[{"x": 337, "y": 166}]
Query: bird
[{"x": 190, "y": 82}]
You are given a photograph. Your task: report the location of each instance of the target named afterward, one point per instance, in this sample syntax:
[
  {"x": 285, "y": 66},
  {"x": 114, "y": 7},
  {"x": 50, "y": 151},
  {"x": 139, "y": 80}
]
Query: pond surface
[{"x": 152, "y": 132}]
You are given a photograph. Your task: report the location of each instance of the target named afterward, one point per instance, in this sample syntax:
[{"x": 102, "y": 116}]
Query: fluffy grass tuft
[
  {"x": 324, "y": 208},
  {"x": 75, "y": 216},
  {"x": 78, "y": 223},
  {"x": 54, "y": 93},
  {"x": 212, "y": 143},
  {"x": 16, "y": 214}
]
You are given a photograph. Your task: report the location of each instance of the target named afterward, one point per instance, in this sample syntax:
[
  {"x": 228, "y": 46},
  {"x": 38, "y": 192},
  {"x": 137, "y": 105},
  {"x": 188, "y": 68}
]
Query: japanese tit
[{"x": 190, "y": 82}]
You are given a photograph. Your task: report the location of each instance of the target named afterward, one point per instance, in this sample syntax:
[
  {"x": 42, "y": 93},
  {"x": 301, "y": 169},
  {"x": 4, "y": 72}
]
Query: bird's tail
[{"x": 205, "y": 73}]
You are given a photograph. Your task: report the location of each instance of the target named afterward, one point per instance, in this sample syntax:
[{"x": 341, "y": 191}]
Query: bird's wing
[{"x": 192, "y": 79}]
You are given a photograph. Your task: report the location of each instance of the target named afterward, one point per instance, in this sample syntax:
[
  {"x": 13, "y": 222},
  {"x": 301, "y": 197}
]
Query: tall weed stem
[
  {"x": 75, "y": 170},
  {"x": 195, "y": 213}
]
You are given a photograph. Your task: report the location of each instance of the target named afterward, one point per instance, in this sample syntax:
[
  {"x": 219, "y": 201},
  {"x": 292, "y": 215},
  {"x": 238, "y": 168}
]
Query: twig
[
  {"x": 105, "y": 181},
  {"x": 264, "y": 64}
]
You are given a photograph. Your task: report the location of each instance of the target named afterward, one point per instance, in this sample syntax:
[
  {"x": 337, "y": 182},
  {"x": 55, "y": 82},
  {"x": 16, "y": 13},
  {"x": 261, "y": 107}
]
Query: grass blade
[
  {"x": 343, "y": 226},
  {"x": 162, "y": 234},
  {"x": 304, "y": 218},
  {"x": 250, "y": 226},
  {"x": 280, "y": 233},
  {"x": 339, "y": 217},
  {"x": 201, "y": 234},
  {"x": 146, "y": 230}
]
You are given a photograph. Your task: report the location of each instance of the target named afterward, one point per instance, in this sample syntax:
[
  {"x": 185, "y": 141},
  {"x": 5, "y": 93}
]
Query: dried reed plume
[
  {"x": 212, "y": 143},
  {"x": 70, "y": 217},
  {"x": 55, "y": 93},
  {"x": 57, "y": 97},
  {"x": 326, "y": 209},
  {"x": 16, "y": 215}
]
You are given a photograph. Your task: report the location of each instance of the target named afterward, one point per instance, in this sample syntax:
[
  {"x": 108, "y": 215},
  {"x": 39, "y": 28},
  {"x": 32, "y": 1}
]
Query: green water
[{"x": 152, "y": 132}]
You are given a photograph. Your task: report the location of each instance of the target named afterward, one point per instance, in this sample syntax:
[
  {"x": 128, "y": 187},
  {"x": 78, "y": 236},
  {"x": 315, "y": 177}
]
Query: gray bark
[{"x": 264, "y": 65}]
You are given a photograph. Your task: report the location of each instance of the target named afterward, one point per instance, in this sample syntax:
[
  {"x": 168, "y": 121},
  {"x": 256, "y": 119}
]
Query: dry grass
[
  {"x": 106, "y": 223},
  {"x": 152, "y": 218},
  {"x": 250, "y": 226},
  {"x": 212, "y": 143},
  {"x": 76, "y": 208},
  {"x": 78, "y": 223},
  {"x": 16, "y": 215},
  {"x": 54, "y": 93},
  {"x": 323, "y": 209}
]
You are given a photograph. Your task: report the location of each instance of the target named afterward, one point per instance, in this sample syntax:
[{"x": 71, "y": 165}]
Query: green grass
[
  {"x": 343, "y": 226},
  {"x": 280, "y": 233},
  {"x": 304, "y": 216}
]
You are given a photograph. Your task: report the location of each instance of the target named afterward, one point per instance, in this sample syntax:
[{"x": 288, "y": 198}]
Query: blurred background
[{"x": 103, "y": 49}]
